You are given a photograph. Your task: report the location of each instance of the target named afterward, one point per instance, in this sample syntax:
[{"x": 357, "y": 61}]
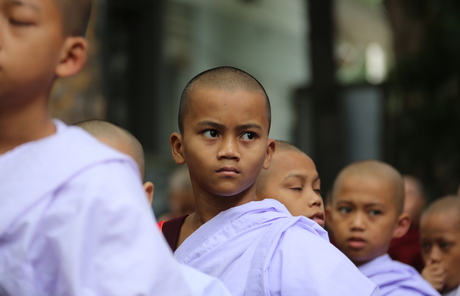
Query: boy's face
[
  {"x": 362, "y": 217},
  {"x": 294, "y": 181},
  {"x": 31, "y": 40},
  {"x": 440, "y": 236},
  {"x": 224, "y": 141}
]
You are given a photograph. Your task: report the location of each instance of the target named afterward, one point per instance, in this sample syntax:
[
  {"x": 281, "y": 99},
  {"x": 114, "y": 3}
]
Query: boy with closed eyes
[{"x": 292, "y": 179}]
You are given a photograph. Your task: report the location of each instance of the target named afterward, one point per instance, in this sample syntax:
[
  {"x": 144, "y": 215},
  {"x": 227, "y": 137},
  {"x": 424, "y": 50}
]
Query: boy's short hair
[
  {"x": 225, "y": 77},
  {"x": 105, "y": 130},
  {"x": 286, "y": 146},
  {"x": 75, "y": 16},
  {"x": 443, "y": 204},
  {"x": 280, "y": 146},
  {"x": 383, "y": 171}
]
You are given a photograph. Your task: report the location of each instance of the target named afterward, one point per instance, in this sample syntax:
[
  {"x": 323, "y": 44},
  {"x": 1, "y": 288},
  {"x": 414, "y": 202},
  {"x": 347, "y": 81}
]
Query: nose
[
  {"x": 314, "y": 199},
  {"x": 229, "y": 149},
  {"x": 358, "y": 221},
  {"x": 435, "y": 254}
]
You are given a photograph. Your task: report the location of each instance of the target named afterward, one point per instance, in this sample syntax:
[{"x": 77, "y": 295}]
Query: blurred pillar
[
  {"x": 327, "y": 128},
  {"x": 132, "y": 32}
]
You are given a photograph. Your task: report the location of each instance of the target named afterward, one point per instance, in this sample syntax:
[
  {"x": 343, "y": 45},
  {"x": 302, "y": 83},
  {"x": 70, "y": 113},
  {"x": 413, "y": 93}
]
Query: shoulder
[
  {"x": 396, "y": 278},
  {"x": 302, "y": 253}
]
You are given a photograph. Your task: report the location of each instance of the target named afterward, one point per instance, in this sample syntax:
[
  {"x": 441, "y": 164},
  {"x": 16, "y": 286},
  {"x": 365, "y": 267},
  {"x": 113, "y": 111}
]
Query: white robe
[
  {"x": 259, "y": 249},
  {"x": 74, "y": 220}
]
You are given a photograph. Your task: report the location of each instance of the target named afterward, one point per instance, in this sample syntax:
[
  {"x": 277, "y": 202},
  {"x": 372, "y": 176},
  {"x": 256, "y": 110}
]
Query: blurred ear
[
  {"x": 73, "y": 56},
  {"x": 176, "y": 148},
  {"x": 149, "y": 189},
  {"x": 402, "y": 226},
  {"x": 269, "y": 155}
]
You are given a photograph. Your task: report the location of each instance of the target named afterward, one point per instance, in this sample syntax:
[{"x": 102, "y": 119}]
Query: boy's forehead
[
  {"x": 370, "y": 188},
  {"x": 448, "y": 219},
  {"x": 236, "y": 99}
]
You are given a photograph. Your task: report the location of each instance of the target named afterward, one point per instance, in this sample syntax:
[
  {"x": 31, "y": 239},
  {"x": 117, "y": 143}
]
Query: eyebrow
[
  {"x": 300, "y": 176},
  {"x": 210, "y": 123},
  {"x": 25, "y": 4},
  {"x": 219, "y": 125}
]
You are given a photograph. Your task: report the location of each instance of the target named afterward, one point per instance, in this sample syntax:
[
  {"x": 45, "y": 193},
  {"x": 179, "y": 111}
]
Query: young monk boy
[
  {"x": 440, "y": 231},
  {"x": 120, "y": 139},
  {"x": 73, "y": 218},
  {"x": 292, "y": 179},
  {"x": 254, "y": 247},
  {"x": 366, "y": 212},
  {"x": 407, "y": 248}
]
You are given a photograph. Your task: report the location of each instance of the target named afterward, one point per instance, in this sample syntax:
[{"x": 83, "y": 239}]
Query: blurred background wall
[{"x": 348, "y": 79}]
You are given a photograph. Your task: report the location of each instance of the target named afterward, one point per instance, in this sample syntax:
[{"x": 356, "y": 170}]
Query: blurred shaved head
[
  {"x": 75, "y": 16},
  {"x": 444, "y": 205},
  {"x": 117, "y": 138}
]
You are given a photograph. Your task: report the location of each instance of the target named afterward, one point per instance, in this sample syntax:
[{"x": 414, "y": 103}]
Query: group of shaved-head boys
[{"x": 76, "y": 217}]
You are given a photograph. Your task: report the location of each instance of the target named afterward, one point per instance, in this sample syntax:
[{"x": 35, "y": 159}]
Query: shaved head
[
  {"x": 380, "y": 171},
  {"x": 263, "y": 176},
  {"x": 226, "y": 78},
  {"x": 449, "y": 203},
  {"x": 117, "y": 138},
  {"x": 75, "y": 16}
]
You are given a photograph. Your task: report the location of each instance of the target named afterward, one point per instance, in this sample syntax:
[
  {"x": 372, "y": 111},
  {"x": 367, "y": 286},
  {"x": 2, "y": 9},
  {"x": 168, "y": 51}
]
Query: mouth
[
  {"x": 356, "y": 242},
  {"x": 228, "y": 171},
  {"x": 318, "y": 218}
]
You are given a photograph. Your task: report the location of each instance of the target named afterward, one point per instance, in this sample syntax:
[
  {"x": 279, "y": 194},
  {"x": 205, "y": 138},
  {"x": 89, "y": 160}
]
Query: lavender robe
[
  {"x": 396, "y": 278},
  {"x": 260, "y": 249},
  {"x": 74, "y": 220},
  {"x": 454, "y": 292}
]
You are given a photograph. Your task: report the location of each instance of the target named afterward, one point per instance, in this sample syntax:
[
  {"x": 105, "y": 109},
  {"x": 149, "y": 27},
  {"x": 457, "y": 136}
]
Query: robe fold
[
  {"x": 74, "y": 220},
  {"x": 259, "y": 249},
  {"x": 396, "y": 278}
]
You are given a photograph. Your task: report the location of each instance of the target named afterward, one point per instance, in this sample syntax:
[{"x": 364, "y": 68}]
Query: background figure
[
  {"x": 407, "y": 248},
  {"x": 180, "y": 194},
  {"x": 120, "y": 139},
  {"x": 292, "y": 179},
  {"x": 366, "y": 212},
  {"x": 440, "y": 232}
]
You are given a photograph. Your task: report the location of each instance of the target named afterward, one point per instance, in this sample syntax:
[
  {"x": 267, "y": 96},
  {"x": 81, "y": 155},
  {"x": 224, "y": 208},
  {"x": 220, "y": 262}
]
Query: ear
[
  {"x": 268, "y": 156},
  {"x": 176, "y": 148},
  {"x": 402, "y": 225},
  {"x": 73, "y": 56},
  {"x": 149, "y": 189}
]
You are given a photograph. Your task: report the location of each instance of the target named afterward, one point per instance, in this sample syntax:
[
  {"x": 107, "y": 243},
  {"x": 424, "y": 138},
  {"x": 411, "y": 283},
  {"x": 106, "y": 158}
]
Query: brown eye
[
  {"x": 249, "y": 136},
  {"x": 211, "y": 133}
]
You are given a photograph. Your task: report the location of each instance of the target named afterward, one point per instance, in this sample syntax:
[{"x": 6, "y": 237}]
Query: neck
[
  {"x": 207, "y": 206},
  {"x": 25, "y": 122}
]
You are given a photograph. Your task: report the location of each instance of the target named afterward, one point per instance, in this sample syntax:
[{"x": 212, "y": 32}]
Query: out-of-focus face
[
  {"x": 440, "y": 235},
  {"x": 294, "y": 181},
  {"x": 362, "y": 217},
  {"x": 225, "y": 142},
  {"x": 414, "y": 201},
  {"x": 31, "y": 40}
]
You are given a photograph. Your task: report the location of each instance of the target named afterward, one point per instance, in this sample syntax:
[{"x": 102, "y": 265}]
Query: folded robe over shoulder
[
  {"x": 259, "y": 249},
  {"x": 74, "y": 220},
  {"x": 395, "y": 278}
]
